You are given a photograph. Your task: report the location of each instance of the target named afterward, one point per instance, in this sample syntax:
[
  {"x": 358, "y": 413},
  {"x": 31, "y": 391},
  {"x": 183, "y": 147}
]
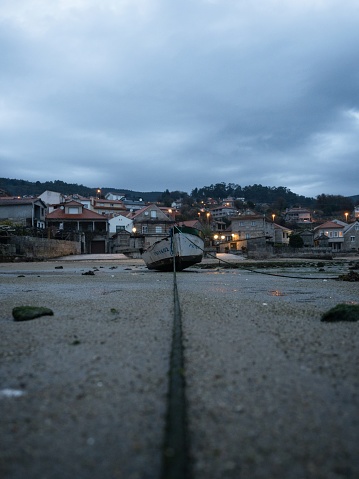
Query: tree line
[
  {"x": 263, "y": 198},
  {"x": 276, "y": 199}
]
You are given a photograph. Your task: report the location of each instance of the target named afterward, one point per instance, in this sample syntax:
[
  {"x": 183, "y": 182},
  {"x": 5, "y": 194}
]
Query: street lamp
[
  {"x": 134, "y": 230},
  {"x": 346, "y": 217},
  {"x": 273, "y": 216}
]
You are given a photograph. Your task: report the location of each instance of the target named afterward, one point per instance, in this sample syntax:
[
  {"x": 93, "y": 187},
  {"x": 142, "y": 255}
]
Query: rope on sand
[{"x": 175, "y": 460}]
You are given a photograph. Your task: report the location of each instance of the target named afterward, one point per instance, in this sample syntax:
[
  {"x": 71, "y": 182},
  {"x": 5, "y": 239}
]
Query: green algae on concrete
[
  {"x": 24, "y": 313},
  {"x": 342, "y": 312}
]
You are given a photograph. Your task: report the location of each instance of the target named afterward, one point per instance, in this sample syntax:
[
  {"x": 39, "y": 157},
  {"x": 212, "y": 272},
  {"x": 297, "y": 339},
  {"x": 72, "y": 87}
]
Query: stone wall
[
  {"x": 310, "y": 253},
  {"x": 30, "y": 248},
  {"x": 269, "y": 251}
]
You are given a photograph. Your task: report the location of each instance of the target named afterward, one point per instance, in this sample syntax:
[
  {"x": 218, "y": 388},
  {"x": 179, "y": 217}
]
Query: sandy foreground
[{"x": 272, "y": 392}]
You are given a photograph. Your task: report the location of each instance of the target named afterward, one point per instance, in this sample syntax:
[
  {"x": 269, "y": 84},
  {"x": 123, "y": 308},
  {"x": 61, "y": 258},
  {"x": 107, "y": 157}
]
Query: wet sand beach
[{"x": 271, "y": 391}]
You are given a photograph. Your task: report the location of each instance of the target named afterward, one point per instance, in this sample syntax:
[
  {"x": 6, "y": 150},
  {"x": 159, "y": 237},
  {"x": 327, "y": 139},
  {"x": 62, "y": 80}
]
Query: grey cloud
[{"x": 150, "y": 95}]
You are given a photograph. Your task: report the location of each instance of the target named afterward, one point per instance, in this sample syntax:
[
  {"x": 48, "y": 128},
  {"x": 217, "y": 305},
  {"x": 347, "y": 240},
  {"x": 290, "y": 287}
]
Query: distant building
[
  {"x": 120, "y": 223},
  {"x": 281, "y": 234},
  {"x": 108, "y": 207},
  {"x": 86, "y": 202},
  {"x": 133, "y": 205},
  {"x": 298, "y": 215},
  {"x": 115, "y": 196},
  {"x": 73, "y": 218},
  {"x": 52, "y": 198},
  {"x": 340, "y": 236},
  {"x": 222, "y": 211},
  {"x": 333, "y": 231},
  {"x": 27, "y": 212},
  {"x": 351, "y": 237},
  {"x": 255, "y": 229},
  {"x": 307, "y": 237},
  {"x": 151, "y": 223}
]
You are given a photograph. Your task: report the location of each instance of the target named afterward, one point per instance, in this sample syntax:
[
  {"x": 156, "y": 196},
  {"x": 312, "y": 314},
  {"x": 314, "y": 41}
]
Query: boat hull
[{"x": 184, "y": 247}]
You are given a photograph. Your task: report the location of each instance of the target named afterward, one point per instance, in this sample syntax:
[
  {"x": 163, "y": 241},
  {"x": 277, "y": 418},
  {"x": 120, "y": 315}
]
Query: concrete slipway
[{"x": 272, "y": 392}]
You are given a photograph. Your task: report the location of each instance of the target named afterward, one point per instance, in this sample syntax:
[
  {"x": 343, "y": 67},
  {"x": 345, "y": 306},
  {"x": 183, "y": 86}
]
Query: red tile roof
[
  {"x": 86, "y": 214},
  {"x": 329, "y": 224}
]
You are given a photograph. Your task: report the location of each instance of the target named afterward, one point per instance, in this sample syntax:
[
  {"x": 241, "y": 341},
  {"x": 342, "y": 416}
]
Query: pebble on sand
[{"x": 24, "y": 313}]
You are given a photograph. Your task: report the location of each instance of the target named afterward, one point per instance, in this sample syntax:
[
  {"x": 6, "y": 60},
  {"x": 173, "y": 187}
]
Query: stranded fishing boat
[{"x": 184, "y": 245}]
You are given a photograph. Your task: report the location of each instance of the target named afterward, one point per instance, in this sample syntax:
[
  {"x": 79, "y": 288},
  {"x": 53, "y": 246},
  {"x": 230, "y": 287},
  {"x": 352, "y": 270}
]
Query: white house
[
  {"x": 51, "y": 198},
  {"x": 281, "y": 234},
  {"x": 120, "y": 223},
  {"x": 115, "y": 196}
]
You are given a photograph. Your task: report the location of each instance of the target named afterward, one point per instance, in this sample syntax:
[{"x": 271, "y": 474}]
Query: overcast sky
[{"x": 155, "y": 94}]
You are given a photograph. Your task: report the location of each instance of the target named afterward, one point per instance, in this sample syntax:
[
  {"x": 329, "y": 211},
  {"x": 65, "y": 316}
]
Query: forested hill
[
  {"x": 254, "y": 193},
  {"x": 219, "y": 191},
  {"x": 277, "y": 197},
  {"x": 15, "y": 187}
]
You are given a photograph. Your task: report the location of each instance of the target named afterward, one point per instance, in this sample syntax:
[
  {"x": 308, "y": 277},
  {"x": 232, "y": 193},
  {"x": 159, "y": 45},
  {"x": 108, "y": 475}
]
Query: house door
[{"x": 98, "y": 247}]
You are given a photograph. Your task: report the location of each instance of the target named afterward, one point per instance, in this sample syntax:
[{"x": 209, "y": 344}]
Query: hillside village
[{"x": 113, "y": 223}]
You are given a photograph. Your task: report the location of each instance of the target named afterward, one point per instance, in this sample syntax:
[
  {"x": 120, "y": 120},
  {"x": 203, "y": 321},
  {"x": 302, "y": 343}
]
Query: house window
[
  {"x": 153, "y": 214},
  {"x": 144, "y": 229},
  {"x": 241, "y": 223},
  {"x": 352, "y": 239},
  {"x": 158, "y": 229},
  {"x": 120, "y": 228},
  {"x": 253, "y": 223},
  {"x": 248, "y": 235},
  {"x": 73, "y": 210}
]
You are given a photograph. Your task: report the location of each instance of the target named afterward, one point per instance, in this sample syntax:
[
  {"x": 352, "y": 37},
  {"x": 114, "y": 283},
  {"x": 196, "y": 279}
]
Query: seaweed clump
[
  {"x": 351, "y": 276},
  {"x": 342, "y": 312},
  {"x": 24, "y": 313}
]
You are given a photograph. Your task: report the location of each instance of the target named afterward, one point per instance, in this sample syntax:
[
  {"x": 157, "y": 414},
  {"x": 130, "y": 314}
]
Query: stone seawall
[
  {"x": 269, "y": 251},
  {"x": 30, "y": 248}
]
